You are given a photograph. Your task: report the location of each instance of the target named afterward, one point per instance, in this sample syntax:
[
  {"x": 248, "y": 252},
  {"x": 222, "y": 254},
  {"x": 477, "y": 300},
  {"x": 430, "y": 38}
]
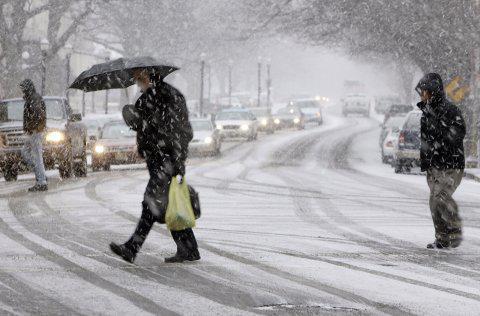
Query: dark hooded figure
[
  {"x": 34, "y": 124},
  {"x": 442, "y": 132},
  {"x": 160, "y": 118}
]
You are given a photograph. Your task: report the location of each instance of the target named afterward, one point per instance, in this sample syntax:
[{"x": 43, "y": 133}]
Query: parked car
[
  {"x": 311, "y": 110},
  {"x": 206, "y": 138},
  {"x": 265, "y": 119},
  {"x": 94, "y": 128},
  {"x": 407, "y": 149},
  {"x": 289, "y": 117},
  {"x": 117, "y": 145},
  {"x": 383, "y": 103},
  {"x": 356, "y": 104},
  {"x": 392, "y": 123},
  {"x": 64, "y": 144},
  {"x": 237, "y": 123},
  {"x": 397, "y": 109},
  {"x": 388, "y": 146}
]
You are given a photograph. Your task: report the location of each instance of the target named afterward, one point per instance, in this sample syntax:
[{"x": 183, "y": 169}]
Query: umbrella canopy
[{"x": 118, "y": 73}]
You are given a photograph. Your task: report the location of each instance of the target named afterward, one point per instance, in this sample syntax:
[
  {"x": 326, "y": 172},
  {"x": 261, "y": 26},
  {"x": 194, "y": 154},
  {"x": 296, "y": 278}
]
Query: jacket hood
[
  {"x": 28, "y": 88},
  {"x": 432, "y": 82}
]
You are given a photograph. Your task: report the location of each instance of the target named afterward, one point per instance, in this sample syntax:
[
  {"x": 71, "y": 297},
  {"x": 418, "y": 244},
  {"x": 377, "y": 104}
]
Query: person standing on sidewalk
[
  {"x": 34, "y": 124},
  {"x": 160, "y": 118},
  {"x": 442, "y": 156}
]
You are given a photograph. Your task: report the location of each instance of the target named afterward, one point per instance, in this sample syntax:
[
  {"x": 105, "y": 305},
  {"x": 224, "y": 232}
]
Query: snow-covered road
[{"x": 304, "y": 222}]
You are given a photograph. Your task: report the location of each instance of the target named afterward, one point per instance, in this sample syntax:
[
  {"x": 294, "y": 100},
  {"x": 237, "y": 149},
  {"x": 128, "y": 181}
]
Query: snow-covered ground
[{"x": 299, "y": 222}]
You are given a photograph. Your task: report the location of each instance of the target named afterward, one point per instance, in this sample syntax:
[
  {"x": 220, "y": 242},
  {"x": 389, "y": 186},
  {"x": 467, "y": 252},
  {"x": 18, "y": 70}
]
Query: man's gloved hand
[{"x": 179, "y": 169}]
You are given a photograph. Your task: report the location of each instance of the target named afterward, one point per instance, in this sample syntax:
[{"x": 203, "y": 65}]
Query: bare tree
[{"x": 63, "y": 18}]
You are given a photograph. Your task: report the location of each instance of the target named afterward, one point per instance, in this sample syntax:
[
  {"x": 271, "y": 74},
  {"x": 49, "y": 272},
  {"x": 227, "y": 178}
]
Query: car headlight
[
  {"x": 244, "y": 127},
  {"x": 219, "y": 126},
  {"x": 208, "y": 140},
  {"x": 55, "y": 137},
  {"x": 296, "y": 120},
  {"x": 318, "y": 114},
  {"x": 276, "y": 121},
  {"x": 264, "y": 122},
  {"x": 99, "y": 149}
]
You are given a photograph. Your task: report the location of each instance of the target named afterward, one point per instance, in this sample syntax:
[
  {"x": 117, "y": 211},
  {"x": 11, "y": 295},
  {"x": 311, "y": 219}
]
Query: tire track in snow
[{"x": 347, "y": 295}]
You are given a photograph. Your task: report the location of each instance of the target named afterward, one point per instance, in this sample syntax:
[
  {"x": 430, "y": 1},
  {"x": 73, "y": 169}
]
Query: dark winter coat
[
  {"x": 442, "y": 129},
  {"x": 34, "y": 111},
  {"x": 163, "y": 129}
]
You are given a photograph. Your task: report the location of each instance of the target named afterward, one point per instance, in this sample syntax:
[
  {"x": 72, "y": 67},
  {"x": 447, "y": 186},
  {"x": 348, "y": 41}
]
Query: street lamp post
[
  {"x": 107, "y": 59},
  {"x": 202, "y": 83},
  {"x": 68, "y": 56},
  {"x": 269, "y": 85},
  {"x": 209, "y": 84},
  {"x": 44, "y": 46},
  {"x": 230, "y": 65},
  {"x": 259, "y": 74}
]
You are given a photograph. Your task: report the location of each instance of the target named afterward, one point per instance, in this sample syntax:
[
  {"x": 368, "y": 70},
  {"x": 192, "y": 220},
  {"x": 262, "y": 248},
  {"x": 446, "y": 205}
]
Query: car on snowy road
[
  {"x": 392, "y": 124},
  {"x": 265, "y": 119},
  {"x": 356, "y": 104},
  {"x": 237, "y": 123},
  {"x": 388, "y": 146},
  {"x": 64, "y": 143},
  {"x": 117, "y": 145},
  {"x": 311, "y": 110},
  {"x": 206, "y": 139},
  {"x": 407, "y": 149},
  {"x": 289, "y": 117}
]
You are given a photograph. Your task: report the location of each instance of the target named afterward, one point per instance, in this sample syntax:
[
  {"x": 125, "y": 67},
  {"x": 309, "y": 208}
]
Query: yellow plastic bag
[{"x": 179, "y": 215}]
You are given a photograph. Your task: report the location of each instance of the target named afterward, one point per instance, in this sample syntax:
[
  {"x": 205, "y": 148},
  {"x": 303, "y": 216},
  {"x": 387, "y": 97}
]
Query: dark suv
[{"x": 64, "y": 143}]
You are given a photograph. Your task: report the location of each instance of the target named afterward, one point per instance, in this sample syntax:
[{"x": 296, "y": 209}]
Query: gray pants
[
  {"x": 444, "y": 209},
  {"x": 32, "y": 153}
]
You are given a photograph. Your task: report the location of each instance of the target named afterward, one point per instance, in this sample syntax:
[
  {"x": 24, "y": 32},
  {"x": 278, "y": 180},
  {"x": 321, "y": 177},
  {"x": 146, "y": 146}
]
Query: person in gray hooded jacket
[{"x": 34, "y": 124}]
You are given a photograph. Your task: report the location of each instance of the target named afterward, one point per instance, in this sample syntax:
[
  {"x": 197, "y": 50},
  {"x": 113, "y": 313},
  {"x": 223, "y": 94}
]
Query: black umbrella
[{"x": 118, "y": 73}]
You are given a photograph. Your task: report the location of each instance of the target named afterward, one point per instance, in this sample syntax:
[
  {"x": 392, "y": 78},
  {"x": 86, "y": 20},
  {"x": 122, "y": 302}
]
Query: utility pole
[
  {"x": 107, "y": 59},
  {"x": 269, "y": 86},
  {"x": 68, "y": 57},
  {"x": 202, "y": 79},
  {"x": 230, "y": 65},
  {"x": 83, "y": 104},
  {"x": 259, "y": 74},
  {"x": 44, "y": 47},
  {"x": 209, "y": 84}
]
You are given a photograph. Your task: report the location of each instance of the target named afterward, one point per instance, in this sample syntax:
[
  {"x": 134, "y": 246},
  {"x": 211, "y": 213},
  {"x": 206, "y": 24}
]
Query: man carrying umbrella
[{"x": 160, "y": 118}]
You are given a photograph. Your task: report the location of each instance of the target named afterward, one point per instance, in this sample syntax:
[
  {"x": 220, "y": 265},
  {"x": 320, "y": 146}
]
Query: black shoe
[
  {"x": 123, "y": 252},
  {"x": 178, "y": 258},
  {"x": 437, "y": 245},
  {"x": 38, "y": 188},
  {"x": 194, "y": 256}
]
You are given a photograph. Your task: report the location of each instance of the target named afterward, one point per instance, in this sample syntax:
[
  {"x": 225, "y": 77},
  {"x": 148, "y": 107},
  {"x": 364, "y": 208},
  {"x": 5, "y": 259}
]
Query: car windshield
[
  {"x": 413, "y": 122},
  {"x": 306, "y": 104},
  {"x": 395, "y": 121},
  {"x": 287, "y": 111},
  {"x": 260, "y": 112},
  {"x": 201, "y": 125},
  {"x": 400, "y": 108},
  {"x": 91, "y": 125},
  {"x": 117, "y": 130},
  {"x": 13, "y": 110},
  {"x": 356, "y": 102},
  {"x": 223, "y": 116}
]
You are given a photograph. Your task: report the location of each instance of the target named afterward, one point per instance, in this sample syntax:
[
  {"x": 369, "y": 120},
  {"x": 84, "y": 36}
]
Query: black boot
[
  {"x": 124, "y": 252},
  {"x": 438, "y": 245},
  {"x": 38, "y": 188},
  {"x": 187, "y": 249}
]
